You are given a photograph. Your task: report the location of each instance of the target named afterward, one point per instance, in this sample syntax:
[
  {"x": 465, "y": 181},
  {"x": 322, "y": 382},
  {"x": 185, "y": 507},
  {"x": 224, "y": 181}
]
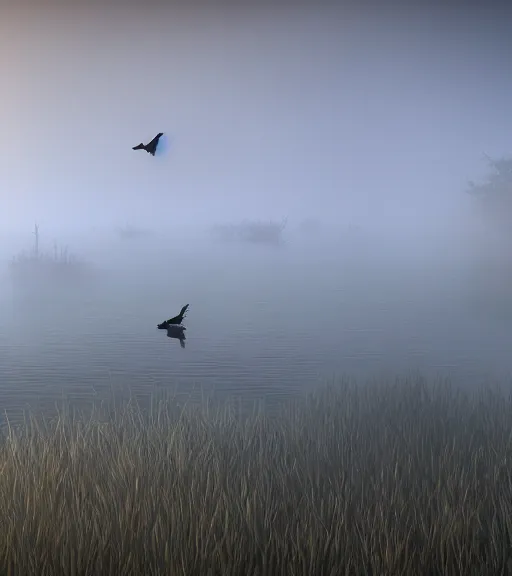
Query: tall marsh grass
[
  {"x": 401, "y": 478},
  {"x": 35, "y": 265}
]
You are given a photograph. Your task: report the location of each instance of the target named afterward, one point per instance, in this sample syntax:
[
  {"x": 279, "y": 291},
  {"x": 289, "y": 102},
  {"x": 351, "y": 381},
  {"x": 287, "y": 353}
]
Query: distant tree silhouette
[
  {"x": 494, "y": 195},
  {"x": 499, "y": 181},
  {"x": 491, "y": 242}
]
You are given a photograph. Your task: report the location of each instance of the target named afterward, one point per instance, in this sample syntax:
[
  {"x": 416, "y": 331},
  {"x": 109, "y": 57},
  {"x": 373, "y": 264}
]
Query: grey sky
[{"x": 358, "y": 116}]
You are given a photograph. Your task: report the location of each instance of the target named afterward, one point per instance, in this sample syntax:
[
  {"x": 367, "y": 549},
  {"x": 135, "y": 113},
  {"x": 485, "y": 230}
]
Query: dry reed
[{"x": 401, "y": 478}]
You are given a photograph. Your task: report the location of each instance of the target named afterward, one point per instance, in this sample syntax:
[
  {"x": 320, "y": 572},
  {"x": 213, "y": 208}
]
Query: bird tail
[{"x": 183, "y": 312}]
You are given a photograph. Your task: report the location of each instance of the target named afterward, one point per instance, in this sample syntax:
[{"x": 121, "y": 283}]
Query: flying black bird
[
  {"x": 151, "y": 147},
  {"x": 174, "y": 321}
]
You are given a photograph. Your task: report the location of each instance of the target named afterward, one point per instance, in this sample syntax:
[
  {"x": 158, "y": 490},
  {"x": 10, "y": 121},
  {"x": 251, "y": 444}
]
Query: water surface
[{"x": 263, "y": 322}]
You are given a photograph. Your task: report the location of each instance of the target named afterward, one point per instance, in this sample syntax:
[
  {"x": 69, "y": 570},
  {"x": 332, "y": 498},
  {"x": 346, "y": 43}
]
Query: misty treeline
[{"x": 494, "y": 194}]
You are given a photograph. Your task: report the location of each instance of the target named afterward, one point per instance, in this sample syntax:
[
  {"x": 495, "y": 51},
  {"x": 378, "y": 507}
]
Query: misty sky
[{"x": 365, "y": 117}]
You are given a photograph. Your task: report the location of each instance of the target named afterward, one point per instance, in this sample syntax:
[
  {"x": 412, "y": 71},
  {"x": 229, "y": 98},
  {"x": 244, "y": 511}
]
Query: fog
[
  {"x": 348, "y": 117},
  {"x": 367, "y": 124}
]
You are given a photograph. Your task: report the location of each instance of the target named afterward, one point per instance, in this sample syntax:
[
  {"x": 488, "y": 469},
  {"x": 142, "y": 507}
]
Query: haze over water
[{"x": 370, "y": 124}]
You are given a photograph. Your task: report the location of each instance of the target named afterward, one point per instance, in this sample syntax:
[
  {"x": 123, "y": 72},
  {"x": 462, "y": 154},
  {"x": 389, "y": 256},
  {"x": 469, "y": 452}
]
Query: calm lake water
[{"x": 263, "y": 322}]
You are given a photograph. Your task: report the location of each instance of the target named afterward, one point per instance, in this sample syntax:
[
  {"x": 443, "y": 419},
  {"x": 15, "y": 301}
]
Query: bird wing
[{"x": 151, "y": 147}]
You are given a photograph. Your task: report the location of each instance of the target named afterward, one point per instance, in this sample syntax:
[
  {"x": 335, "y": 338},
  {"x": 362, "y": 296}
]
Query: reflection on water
[{"x": 178, "y": 333}]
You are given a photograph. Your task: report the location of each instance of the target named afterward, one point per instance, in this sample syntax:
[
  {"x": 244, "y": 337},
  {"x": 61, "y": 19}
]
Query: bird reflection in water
[{"x": 178, "y": 333}]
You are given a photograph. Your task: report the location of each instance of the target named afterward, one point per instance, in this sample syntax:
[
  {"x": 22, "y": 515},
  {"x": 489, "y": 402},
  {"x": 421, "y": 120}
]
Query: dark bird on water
[
  {"x": 174, "y": 321},
  {"x": 151, "y": 147}
]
